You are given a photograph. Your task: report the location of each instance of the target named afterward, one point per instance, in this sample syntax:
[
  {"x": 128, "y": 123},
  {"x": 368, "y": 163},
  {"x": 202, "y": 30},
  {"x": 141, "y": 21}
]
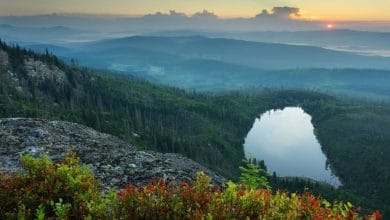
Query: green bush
[
  {"x": 47, "y": 189},
  {"x": 254, "y": 177}
]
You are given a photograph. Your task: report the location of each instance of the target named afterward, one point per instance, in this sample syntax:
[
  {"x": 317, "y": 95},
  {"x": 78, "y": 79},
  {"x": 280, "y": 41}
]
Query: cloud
[
  {"x": 205, "y": 15},
  {"x": 172, "y": 13},
  {"x": 280, "y": 12},
  {"x": 286, "y": 12}
]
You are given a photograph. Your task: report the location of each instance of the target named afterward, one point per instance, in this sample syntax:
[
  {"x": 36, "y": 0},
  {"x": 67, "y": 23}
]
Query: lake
[{"x": 285, "y": 140}]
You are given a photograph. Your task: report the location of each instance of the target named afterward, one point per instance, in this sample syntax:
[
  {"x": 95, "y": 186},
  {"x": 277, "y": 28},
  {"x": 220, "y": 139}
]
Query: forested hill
[{"x": 208, "y": 128}]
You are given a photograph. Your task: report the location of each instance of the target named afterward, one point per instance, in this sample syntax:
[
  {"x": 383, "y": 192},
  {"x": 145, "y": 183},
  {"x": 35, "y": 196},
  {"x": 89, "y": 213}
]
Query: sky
[{"x": 367, "y": 10}]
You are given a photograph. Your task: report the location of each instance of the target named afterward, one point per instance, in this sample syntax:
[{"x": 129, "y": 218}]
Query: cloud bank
[
  {"x": 280, "y": 12},
  {"x": 276, "y": 19}
]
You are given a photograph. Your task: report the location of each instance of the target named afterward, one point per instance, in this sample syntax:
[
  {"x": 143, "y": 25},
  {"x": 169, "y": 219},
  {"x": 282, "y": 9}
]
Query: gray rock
[
  {"x": 40, "y": 71},
  {"x": 112, "y": 160}
]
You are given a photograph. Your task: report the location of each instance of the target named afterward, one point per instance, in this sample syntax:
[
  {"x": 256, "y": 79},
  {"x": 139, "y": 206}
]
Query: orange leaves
[
  {"x": 197, "y": 201},
  {"x": 129, "y": 191},
  {"x": 68, "y": 189},
  {"x": 376, "y": 215}
]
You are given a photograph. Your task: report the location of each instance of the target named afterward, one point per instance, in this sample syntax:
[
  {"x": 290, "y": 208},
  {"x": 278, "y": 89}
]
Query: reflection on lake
[{"x": 285, "y": 140}]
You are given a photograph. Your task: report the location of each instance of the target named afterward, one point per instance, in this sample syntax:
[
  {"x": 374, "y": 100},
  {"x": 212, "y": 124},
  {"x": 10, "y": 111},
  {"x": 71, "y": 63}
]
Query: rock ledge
[{"x": 112, "y": 160}]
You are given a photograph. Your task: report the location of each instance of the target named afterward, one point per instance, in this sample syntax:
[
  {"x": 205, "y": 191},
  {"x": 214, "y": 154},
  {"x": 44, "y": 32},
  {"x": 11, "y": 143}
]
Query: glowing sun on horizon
[{"x": 329, "y": 26}]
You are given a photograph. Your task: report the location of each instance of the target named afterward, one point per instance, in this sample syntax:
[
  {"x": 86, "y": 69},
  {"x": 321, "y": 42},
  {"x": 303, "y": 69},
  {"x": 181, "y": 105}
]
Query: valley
[
  {"x": 209, "y": 128},
  {"x": 221, "y": 64}
]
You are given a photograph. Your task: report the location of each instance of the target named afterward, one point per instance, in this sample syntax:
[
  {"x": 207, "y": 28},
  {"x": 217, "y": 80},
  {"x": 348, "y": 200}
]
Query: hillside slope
[{"x": 206, "y": 128}]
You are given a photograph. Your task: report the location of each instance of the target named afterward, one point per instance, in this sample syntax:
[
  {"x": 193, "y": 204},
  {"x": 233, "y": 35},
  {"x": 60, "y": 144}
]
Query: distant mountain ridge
[
  {"x": 57, "y": 35},
  {"x": 362, "y": 42},
  {"x": 202, "y": 63},
  {"x": 252, "y": 54}
]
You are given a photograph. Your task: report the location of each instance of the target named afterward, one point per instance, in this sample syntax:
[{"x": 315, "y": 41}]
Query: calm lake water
[{"x": 285, "y": 140}]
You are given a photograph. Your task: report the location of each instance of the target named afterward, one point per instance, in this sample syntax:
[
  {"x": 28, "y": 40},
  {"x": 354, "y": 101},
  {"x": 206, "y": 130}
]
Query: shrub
[
  {"x": 50, "y": 189},
  {"x": 254, "y": 177},
  {"x": 66, "y": 190},
  {"x": 200, "y": 201}
]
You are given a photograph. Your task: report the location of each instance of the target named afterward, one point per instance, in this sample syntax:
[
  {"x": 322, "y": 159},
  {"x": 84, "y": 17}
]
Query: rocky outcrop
[
  {"x": 33, "y": 74},
  {"x": 40, "y": 71},
  {"x": 113, "y": 161}
]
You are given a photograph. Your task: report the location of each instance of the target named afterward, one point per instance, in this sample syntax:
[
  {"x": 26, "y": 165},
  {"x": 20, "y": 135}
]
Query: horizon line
[{"x": 123, "y": 15}]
